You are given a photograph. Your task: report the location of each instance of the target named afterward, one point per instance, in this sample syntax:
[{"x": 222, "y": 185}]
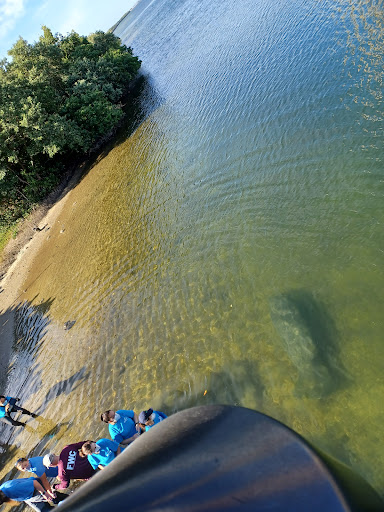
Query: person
[
  {"x": 149, "y": 418},
  {"x": 30, "y": 490},
  {"x": 101, "y": 453},
  {"x": 35, "y": 465},
  {"x": 8, "y": 405},
  {"x": 70, "y": 463},
  {"x": 123, "y": 425}
]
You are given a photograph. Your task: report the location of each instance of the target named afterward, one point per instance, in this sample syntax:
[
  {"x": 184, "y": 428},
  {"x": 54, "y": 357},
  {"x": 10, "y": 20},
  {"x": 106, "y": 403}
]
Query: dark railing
[{"x": 223, "y": 458}]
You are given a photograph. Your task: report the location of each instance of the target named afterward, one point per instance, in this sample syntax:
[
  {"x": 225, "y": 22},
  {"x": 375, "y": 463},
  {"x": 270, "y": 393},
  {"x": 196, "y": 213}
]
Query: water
[{"x": 230, "y": 249}]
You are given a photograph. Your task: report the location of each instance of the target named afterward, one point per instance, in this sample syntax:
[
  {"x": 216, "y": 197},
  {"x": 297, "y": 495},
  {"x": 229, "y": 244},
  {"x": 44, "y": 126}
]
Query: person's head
[
  {"x": 4, "y": 498},
  {"x": 2, "y": 399},
  {"x": 110, "y": 416},
  {"x": 88, "y": 448},
  {"x": 147, "y": 418},
  {"x": 50, "y": 460},
  {"x": 23, "y": 464}
]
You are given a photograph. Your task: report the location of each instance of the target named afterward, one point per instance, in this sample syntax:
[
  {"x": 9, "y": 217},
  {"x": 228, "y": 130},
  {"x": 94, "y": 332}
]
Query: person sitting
[
  {"x": 149, "y": 418},
  {"x": 35, "y": 465},
  {"x": 8, "y": 405},
  {"x": 123, "y": 425},
  {"x": 30, "y": 490},
  {"x": 100, "y": 453},
  {"x": 71, "y": 464}
]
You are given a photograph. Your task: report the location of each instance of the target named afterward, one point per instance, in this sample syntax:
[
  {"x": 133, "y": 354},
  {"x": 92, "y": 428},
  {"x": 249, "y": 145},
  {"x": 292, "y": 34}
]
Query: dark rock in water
[
  {"x": 309, "y": 338},
  {"x": 68, "y": 325}
]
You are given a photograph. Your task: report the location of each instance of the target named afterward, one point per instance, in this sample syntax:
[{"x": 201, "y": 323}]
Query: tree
[{"x": 58, "y": 96}]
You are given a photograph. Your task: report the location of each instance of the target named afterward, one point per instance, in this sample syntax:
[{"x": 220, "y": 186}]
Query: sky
[{"x": 25, "y": 17}]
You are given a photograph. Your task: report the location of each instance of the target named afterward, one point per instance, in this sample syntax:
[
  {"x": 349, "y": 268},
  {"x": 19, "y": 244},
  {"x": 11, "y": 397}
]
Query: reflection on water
[{"x": 255, "y": 173}]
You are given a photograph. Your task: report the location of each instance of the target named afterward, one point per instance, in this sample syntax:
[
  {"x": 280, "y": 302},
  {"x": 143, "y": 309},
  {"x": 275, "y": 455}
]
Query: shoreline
[
  {"x": 19, "y": 254},
  {"x": 18, "y": 258}
]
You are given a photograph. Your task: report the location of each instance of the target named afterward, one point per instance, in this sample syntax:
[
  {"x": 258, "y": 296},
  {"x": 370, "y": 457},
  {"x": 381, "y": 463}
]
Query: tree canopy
[{"x": 58, "y": 96}]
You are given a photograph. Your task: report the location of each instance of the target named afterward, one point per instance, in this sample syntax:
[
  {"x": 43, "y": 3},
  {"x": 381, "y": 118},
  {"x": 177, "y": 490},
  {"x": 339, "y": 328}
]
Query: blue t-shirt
[
  {"x": 106, "y": 455},
  {"x": 124, "y": 428},
  {"x": 39, "y": 469},
  {"x": 20, "y": 489},
  {"x": 159, "y": 416},
  {"x": 2, "y": 407}
]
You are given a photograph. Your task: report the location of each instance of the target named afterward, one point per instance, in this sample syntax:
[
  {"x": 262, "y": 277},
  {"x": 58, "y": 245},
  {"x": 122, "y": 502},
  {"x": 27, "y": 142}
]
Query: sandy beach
[{"x": 17, "y": 261}]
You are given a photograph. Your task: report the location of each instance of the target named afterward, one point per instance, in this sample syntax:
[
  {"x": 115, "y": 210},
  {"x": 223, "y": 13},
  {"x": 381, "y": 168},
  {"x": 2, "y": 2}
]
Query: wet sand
[{"x": 17, "y": 261}]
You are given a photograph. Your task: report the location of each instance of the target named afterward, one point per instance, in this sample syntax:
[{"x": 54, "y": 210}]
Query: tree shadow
[
  {"x": 22, "y": 327},
  {"x": 7, "y": 341},
  {"x": 31, "y": 322},
  {"x": 24, "y": 338},
  {"x": 26, "y": 325}
]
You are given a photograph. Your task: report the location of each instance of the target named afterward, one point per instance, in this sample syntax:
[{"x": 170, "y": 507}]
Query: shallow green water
[{"x": 256, "y": 173}]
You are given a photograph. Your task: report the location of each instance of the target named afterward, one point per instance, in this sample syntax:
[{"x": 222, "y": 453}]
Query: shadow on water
[
  {"x": 8, "y": 452},
  {"x": 56, "y": 430},
  {"x": 32, "y": 321},
  {"x": 6, "y": 317},
  {"x": 311, "y": 342},
  {"x": 65, "y": 386},
  {"x": 24, "y": 378},
  {"x": 31, "y": 324},
  {"x": 28, "y": 324},
  {"x": 232, "y": 387}
]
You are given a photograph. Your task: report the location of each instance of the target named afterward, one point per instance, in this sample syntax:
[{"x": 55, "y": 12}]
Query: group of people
[{"x": 78, "y": 461}]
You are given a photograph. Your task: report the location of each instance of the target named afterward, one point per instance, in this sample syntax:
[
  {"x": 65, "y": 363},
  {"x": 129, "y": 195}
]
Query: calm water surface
[{"x": 231, "y": 249}]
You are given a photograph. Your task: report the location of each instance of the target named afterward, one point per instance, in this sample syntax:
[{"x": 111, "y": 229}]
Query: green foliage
[{"x": 58, "y": 96}]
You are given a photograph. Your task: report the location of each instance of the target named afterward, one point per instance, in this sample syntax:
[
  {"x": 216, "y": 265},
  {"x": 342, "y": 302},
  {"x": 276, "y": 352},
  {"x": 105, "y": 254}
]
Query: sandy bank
[{"x": 18, "y": 258}]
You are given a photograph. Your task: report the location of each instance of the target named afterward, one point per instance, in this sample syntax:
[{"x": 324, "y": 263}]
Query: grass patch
[{"x": 6, "y": 233}]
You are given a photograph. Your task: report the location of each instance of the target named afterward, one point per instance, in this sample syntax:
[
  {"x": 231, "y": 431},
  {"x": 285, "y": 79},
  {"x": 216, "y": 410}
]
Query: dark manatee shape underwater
[{"x": 310, "y": 340}]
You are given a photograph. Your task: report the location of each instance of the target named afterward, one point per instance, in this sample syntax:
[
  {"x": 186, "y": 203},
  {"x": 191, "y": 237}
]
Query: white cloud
[{"x": 10, "y": 12}]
